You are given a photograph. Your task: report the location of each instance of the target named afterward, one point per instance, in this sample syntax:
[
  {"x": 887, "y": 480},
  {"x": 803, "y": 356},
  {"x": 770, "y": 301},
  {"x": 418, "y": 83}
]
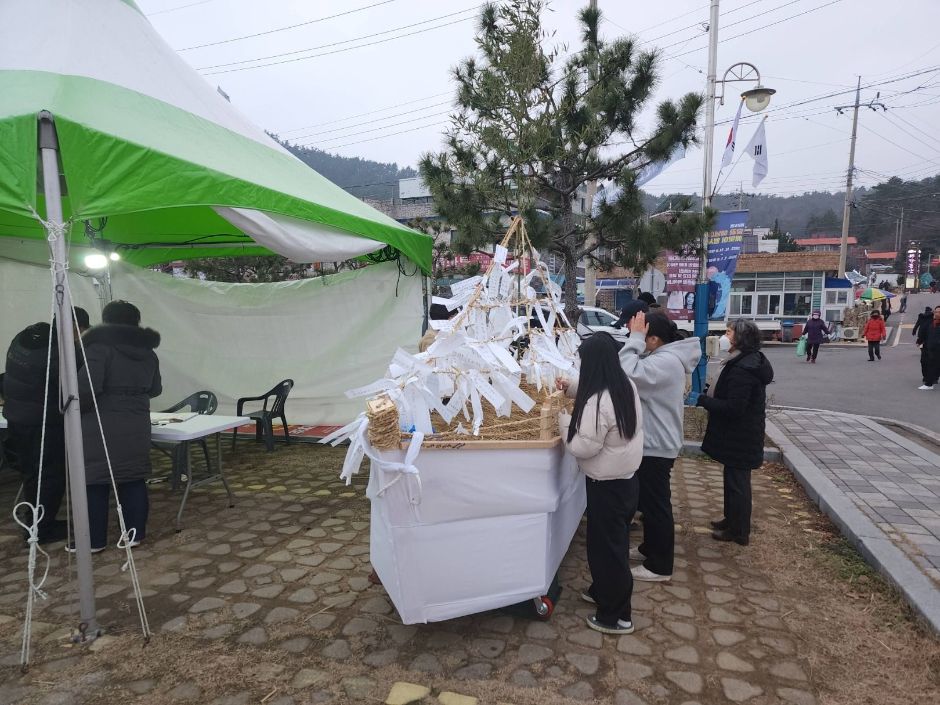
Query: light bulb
[
  {"x": 114, "y": 256},
  {"x": 96, "y": 260}
]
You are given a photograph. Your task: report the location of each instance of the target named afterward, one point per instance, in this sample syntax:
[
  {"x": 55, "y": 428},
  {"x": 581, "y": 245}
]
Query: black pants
[
  {"x": 933, "y": 367},
  {"x": 659, "y": 529},
  {"x": 874, "y": 349},
  {"x": 611, "y": 505},
  {"x": 738, "y": 502},
  {"x": 25, "y": 441},
  {"x": 812, "y": 350},
  {"x": 924, "y": 365},
  {"x": 134, "y": 501}
]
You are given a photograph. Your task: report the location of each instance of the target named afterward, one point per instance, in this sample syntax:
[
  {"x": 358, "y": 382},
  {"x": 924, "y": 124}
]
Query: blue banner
[{"x": 725, "y": 243}]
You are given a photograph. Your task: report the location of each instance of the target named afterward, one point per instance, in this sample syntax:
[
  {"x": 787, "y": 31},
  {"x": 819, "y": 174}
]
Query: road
[{"x": 843, "y": 380}]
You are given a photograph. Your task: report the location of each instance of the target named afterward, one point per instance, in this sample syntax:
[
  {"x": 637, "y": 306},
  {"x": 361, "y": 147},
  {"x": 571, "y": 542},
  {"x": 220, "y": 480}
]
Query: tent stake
[{"x": 68, "y": 377}]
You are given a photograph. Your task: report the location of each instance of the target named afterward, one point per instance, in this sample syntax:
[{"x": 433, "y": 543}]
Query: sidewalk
[{"x": 882, "y": 489}]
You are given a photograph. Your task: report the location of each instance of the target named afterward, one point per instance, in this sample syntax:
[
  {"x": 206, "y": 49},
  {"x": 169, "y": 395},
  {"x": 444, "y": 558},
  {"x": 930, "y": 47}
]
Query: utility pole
[
  {"x": 847, "y": 208},
  {"x": 590, "y": 274}
]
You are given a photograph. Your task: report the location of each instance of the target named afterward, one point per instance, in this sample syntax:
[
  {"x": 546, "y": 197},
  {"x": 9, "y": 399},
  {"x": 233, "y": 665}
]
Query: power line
[
  {"x": 179, "y": 7},
  {"x": 371, "y": 122},
  {"x": 381, "y": 137},
  {"x": 746, "y": 19},
  {"x": 371, "y": 112},
  {"x": 345, "y": 41},
  {"x": 285, "y": 28},
  {"x": 376, "y": 129}
]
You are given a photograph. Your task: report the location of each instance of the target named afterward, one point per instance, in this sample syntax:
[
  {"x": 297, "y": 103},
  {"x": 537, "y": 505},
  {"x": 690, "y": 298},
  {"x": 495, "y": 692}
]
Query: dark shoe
[
  {"x": 55, "y": 532},
  {"x": 720, "y": 524},
  {"x": 621, "y": 627},
  {"x": 727, "y": 536}
]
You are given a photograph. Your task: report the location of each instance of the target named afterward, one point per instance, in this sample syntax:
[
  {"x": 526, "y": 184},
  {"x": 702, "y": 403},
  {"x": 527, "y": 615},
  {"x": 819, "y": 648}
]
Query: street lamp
[{"x": 756, "y": 99}]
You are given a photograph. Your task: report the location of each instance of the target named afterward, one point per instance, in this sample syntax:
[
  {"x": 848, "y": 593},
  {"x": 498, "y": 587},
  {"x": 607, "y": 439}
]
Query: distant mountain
[
  {"x": 793, "y": 213},
  {"x": 361, "y": 177}
]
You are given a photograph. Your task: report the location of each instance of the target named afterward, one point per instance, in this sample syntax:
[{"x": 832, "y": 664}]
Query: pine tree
[{"x": 531, "y": 129}]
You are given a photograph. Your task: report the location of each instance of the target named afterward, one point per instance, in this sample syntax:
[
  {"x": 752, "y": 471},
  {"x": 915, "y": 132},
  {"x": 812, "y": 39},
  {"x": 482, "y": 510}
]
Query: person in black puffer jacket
[
  {"x": 24, "y": 385},
  {"x": 737, "y": 410},
  {"x": 125, "y": 376}
]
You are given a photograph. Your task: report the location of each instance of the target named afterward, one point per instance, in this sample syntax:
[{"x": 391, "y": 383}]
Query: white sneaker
[
  {"x": 643, "y": 573},
  {"x": 926, "y": 387},
  {"x": 635, "y": 555}
]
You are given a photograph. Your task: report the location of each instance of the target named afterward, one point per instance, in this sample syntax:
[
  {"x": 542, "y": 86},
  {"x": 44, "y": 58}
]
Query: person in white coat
[
  {"x": 658, "y": 361},
  {"x": 605, "y": 433}
]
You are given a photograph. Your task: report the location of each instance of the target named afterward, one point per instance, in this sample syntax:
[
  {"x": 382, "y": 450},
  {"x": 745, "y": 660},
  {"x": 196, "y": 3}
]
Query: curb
[
  {"x": 877, "y": 549},
  {"x": 924, "y": 434}
]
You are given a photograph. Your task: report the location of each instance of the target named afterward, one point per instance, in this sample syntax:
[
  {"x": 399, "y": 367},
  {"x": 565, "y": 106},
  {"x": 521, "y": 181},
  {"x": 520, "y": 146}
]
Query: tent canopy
[{"x": 148, "y": 145}]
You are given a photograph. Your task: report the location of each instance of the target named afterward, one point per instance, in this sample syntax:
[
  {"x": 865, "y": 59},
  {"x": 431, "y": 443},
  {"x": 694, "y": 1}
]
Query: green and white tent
[{"x": 145, "y": 142}]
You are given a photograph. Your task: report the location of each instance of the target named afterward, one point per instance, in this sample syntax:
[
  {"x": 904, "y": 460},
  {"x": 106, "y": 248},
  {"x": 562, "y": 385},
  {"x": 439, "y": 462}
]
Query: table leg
[
  {"x": 189, "y": 484},
  {"x": 218, "y": 462}
]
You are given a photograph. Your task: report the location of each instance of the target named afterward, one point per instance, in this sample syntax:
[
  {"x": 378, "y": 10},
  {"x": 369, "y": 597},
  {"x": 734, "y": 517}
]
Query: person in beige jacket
[{"x": 605, "y": 433}]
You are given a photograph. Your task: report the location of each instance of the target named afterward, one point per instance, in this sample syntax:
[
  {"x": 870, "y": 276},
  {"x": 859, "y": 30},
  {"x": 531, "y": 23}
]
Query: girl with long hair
[{"x": 605, "y": 433}]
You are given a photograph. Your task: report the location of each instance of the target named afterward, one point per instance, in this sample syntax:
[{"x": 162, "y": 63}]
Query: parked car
[{"x": 598, "y": 319}]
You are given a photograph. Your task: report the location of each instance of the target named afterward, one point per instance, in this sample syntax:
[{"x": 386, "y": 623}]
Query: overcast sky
[{"x": 389, "y": 101}]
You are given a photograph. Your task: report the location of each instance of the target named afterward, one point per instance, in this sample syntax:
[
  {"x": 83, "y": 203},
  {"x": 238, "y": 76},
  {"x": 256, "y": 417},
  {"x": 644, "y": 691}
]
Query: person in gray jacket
[{"x": 658, "y": 360}]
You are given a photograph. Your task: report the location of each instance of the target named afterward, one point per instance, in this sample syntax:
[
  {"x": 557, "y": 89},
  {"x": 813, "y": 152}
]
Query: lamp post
[{"x": 755, "y": 99}]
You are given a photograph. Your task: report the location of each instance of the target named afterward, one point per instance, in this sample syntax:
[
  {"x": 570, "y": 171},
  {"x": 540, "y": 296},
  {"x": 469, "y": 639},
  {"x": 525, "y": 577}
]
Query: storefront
[{"x": 787, "y": 285}]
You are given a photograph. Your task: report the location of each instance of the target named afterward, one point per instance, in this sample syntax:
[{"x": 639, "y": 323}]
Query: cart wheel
[{"x": 544, "y": 607}]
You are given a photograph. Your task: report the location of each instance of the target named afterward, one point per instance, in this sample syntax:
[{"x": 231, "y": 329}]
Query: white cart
[{"x": 482, "y": 525}]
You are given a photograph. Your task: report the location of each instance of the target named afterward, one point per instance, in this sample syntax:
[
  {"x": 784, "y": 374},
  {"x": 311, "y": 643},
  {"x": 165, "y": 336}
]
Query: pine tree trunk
[{"x": 572, "y": 310}]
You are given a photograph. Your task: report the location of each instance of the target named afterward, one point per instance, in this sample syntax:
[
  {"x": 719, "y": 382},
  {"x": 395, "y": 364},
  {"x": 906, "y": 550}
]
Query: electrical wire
[
  {"x": 286, "y": 27},
  {"x": 371, "y": 112},
  {"x": 372, "y": 122},
  {"x": 179, "y": 7},
  {"x": 339, "y": 43},
  {"x": 374, "y": 129}
]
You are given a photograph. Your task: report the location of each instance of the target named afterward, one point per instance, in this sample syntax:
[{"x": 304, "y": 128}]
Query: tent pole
[{"x": 68, "y": 376}]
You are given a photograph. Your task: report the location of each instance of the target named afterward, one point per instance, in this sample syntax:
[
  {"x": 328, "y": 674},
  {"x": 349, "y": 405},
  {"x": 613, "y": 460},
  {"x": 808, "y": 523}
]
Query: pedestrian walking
[
  {"x": 875, "y": 333},
  {"x": 885, "y": 309},
  {"x": 605, "y": 433},
  {"x": 920, "y": 327},
  {"x": 658, "y": 361},
  {"x": 903, "y": 308},
  {"x": 122, "y": 373},
  {"x": 737, "y": 410},
  {"x": 816, "y": 330},
  {"x": 930, "y": 342}
]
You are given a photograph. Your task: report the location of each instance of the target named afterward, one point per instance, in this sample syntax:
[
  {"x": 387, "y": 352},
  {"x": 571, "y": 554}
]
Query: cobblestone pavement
[
  {"x": 270, "y": 602},
  {"x": 893, "y": 480}
]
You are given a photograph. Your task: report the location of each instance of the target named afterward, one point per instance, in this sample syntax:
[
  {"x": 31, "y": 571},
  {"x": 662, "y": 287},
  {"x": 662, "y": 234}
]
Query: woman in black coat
[
  {"x": 125, "y": 375},
  {"x": 737, "y": 409}
]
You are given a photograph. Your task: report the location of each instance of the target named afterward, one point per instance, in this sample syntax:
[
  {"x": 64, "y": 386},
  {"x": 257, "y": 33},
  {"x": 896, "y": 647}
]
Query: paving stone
[
  {"x": 280, "y": 557},
  {"x": 634, "y": 645},
  {"x": 58, "y": 697},
  {"x": 682, "y": 629},
  {"x": 448, "y": 698},
  {"x": 238, "y": 699},
  {"x": 377, "y": 659},
  {"x": 173, "y": 625},
  {"x": 306, "y": 677},
  {"x": 683, "y": 654},
  {"x": 532, "y": 653},
  {"x": 295, "y": 646},
  {"x": 185, "y": 691},
  {"x": 502, "y": 624},
  {"x": 523, "y": 678},
  {"x": 788, "y": 670},
  {"x": 541, "y": 630},
  {"x": 727, "y": 637},
  {"x": 337, "y": 650},
  {"x": 475, "y": 671},
  {"x": 220, "y": 631},
  {"x": 488, "y": 648},
  {"x": 688, "y": 681},
  {"x": 235, "y": 587},
  {"x": 406, "y": 693},
  {"x": 358, "y": 687},
  {"x": 303, "y": 596},
  {"x": 426, "y": 663},
  {"x": 585, "y": 663},
  {"x": 581, "y": 690},
  {"x": 632, "y": 670},
  {"x": 330, "y": 547},
  {"x": 341, "y": 564},
  {"x": 588, "y": 637},
  {"x": 268, "y": 592},
  {"x": 376, "y": 605},
  {"x": 253, "y": 571},
  {"x": 281, "y": 614},
  {"x": 142, "y": 686},
  {"x": 796, "y": 697},
  {"x": 401, "y": 634},
  {"x": 255, "y": 636},
  {"x": 730, "y": 662},
  {"x": 324, "y": 578},
  {"x": 680, "y": 609},
  {"x": 723, "y": 616},
  {"x": 441, "y": 640},
  {"x": 243, "y": 610},
  {"x": 740, "y": 691},
  {"x": 628, "y": 697}
]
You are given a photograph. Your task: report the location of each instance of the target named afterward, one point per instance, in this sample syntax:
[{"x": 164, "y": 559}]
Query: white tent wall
[
  {"x": 328, "y": 334},
  {"x": 26, "y": 298}
]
